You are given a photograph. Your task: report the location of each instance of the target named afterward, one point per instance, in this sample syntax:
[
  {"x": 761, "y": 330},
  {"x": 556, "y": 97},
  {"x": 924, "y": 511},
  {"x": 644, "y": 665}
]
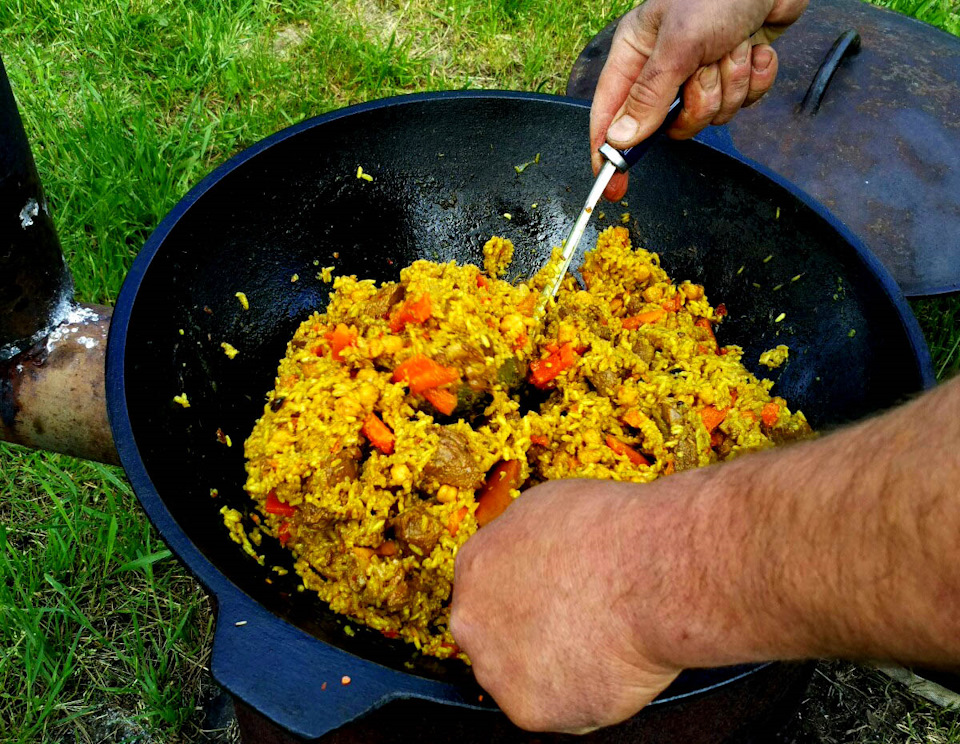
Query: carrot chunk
[
  {"x": 283, "y": 532},
  {"x": 378, "y": 433},
  {"x": 712, "y": 417},
  {"x": 495, "y": 495},
  {"x": 276, "y": 506},
  {"x": 633, "y": 418},
  {"x": 539, "y": 439},
  {"x": 650, "y": 316},
  {"x": 422, "y": 373},
  {"x": 622, "y": 448},
  {"x": 456, "y": 517},
  {"x": 770, "y": 413},
  {"x": 544, "y": 371},
  {"x": 387, "y": 548},
  {"x": 339, "y": 339},
  {"x": 707, "y": 326},
  {"x": 411, "y": 311},
  {"x": 441, "y": 399},
  {"x": 673, "y": 304}
]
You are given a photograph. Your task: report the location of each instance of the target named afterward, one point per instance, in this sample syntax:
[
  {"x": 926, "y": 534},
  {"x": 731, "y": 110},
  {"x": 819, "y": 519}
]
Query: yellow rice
[{"x": 374, "y": 534}]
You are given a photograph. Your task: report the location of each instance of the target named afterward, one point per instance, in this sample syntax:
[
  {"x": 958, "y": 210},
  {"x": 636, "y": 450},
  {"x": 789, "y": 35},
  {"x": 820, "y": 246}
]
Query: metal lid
[{"x": 878, "y": 142}]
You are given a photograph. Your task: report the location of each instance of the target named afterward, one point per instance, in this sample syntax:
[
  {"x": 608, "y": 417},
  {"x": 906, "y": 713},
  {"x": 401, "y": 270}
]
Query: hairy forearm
[{"x": 845, "y": 546}]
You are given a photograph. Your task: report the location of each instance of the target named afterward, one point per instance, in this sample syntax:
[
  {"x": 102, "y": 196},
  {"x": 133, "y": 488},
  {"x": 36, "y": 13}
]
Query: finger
[
  {"x": 701, "y": 102},
  {"x": 735, "y": 81},
  {"x": 649, "y": 98},
  {"x": 632, "y": 45},
  {"x": 617, "y": 189},
  {"x": 763, "y": 72}
]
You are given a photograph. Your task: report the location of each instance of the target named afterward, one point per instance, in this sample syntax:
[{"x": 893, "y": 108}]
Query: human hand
[
  {"x": 541, "y": 607},
  {"x": 718, "y": 51}
]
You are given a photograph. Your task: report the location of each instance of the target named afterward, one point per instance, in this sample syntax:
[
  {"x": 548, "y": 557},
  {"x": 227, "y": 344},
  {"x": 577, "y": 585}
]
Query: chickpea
[
  {"x": 652, "y": 294},
  {"x": 400, "y": 474},
  {"x": 446, "y": 494},
  {"x": 591, "y": 437},
  {"x": 512, "y": 324},
  {"x": 566, "y": 334},
  {"x": 589, "y": 456},
  {"x": 367, "y": 374},
  {"x": 374, "y": 348},
  {"x": 627, "y": 396},
  {"x": 392, "y": 344},
  {"x": 348, "y": 407},
  {"x": 642, "y": 274},
  {"x": 692, "y": 291},
  {"x": 368, "y": 394}
]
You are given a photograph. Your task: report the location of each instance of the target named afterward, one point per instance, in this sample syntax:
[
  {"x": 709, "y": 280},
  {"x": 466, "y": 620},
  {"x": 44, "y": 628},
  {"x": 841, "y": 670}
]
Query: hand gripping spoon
[{"x": 616, "y": 160}]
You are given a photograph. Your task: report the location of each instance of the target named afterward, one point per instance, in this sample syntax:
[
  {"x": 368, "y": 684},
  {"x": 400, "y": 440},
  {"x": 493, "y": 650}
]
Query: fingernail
[
  {"x": 623, "y": 129},
  {"x": 762, "y": 59},
  {"x": 740, "y": 53},
  {"x": 709, "y": 77}
]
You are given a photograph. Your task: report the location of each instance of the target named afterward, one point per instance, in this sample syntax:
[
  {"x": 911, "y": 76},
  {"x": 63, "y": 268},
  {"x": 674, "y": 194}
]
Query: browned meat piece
[
  {"x": 644, "y": 349},
  {"x": 386, "y": 297},
  {"x": 725, "y": 448},
  {"x": 605, "y": 382},
  {"x": 453, "y": 463},
  {"x": 343, "y": 466},
  {"x": 634, "y": 305},
  {"x": 416, "y": 527},
  {"x": 687, "y": 456},
  {"x": 401, "y": 594},
  {"x": 785, "y": 433}
]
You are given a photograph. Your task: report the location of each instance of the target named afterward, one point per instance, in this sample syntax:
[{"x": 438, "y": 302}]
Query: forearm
[{"x": 845, "y": 546}]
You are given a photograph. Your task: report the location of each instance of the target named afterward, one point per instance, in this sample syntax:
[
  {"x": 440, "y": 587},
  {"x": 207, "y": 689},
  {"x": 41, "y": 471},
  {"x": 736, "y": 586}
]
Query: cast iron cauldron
[{"x": 444, "y": 176}]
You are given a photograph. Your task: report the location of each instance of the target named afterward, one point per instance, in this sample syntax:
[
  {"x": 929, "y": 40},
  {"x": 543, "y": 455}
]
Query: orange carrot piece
[
  {"x": 633, "y": 418},
  {"x": 770, "y": 413},
  {"x": 411, "y": 311},
  {"x": 276, "y": 506},
  {"x": 673, "y": 304},
  {"x": 622, "y": 448},
  {"x": 481, "y": 281},
  {"x": 283, "y": 532},
  {"x": 712, "y": 417},
  {"x": 456, "y": 517},
  {"x": 339, "y": 339},
  {"x": 422, "y": 373},
  {"x": 544, "y": 371},
  {"x": 539, "y": 439},
  {"x": 650, "y": 316},
  {"x": 387, "y": 548},
  {"x": 495, "y": 495},
  {"x": 378, "y": 433},
  {"x": 708, "y": 327},
  {"x": 441, "y": 399}
]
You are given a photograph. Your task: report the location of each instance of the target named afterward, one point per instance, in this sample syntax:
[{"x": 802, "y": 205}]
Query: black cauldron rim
[{"x": 372, "y": 685}]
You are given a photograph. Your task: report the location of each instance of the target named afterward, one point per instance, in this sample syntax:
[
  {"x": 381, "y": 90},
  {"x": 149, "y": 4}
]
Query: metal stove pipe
[{"x": 51, "y": 348}]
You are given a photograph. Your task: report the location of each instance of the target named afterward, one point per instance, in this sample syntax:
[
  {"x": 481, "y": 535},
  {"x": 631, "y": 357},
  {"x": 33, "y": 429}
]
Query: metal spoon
[{"x": 617, "y": 160}]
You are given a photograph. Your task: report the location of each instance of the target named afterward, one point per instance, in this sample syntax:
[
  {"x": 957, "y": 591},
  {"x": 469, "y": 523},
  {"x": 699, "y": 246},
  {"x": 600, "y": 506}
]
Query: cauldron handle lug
[{"x": 278, "y": 670}]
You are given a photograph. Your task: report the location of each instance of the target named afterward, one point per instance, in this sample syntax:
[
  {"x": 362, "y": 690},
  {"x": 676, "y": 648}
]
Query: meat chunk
[
  {"x": 453, "y": 463},
  {"x": 788, "y": 432},
  {"x": 687, "y": 456},
  {"x": 386, "y": 297},
  {"x": 644, "y": 349},
  {"x": 418, "y": 528},
  {"x": 343, "y": 466},
  {"x": 605, "y": 382}
]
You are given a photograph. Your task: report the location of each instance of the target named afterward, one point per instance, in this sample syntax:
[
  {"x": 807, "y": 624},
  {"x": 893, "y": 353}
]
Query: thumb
[{"x": 649, "y": 98}]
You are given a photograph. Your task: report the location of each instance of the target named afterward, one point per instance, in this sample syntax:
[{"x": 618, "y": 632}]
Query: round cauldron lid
[{"x": 880, "y": 148}]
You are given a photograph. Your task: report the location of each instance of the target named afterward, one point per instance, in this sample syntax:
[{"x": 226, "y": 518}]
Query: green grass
[{"x": 103, "y": 636}]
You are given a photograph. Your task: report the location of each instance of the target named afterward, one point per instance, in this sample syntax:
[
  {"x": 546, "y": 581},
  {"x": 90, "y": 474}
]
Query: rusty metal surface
[
  {"x": 52, "y": 394},
  {"x": 882, "y": 152}
]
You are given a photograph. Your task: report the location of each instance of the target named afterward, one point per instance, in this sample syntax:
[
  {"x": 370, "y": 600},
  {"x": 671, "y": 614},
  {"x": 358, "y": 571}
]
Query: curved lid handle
[{"x": 848, "y": 44}]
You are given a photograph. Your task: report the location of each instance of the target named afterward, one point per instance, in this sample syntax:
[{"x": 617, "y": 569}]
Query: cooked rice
[{"x": 375, "y": 529}]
